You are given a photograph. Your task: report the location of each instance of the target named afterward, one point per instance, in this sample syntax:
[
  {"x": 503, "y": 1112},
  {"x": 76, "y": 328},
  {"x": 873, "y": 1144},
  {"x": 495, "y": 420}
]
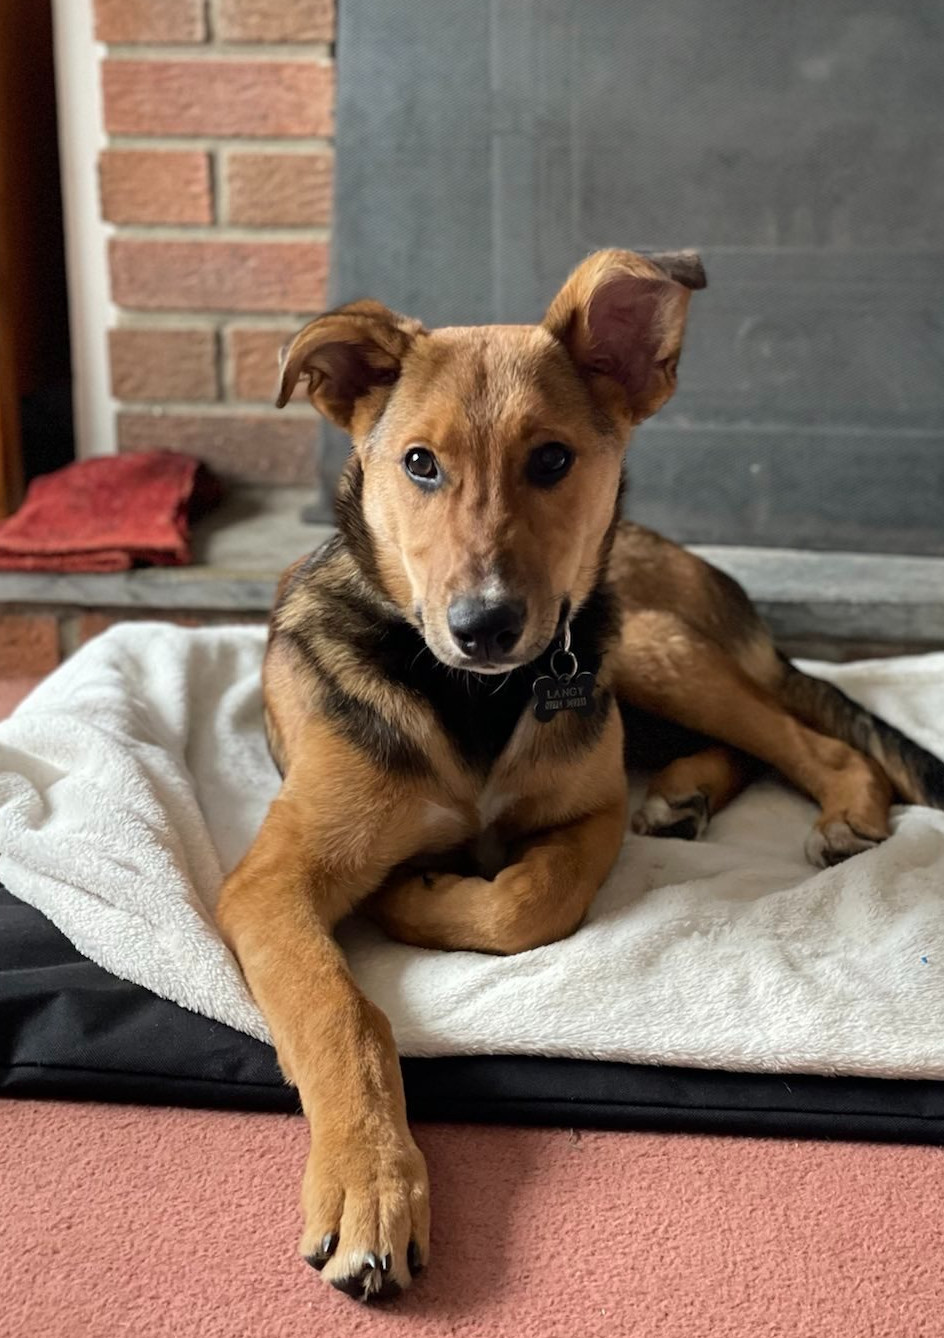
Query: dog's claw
[
  {"x": 413, "y": 1258},
  {"x": 325, "y": 1250},
  {"x": 370, "y": 1282}
]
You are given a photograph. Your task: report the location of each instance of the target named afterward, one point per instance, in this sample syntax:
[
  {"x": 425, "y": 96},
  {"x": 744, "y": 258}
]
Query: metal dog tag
[{"x": 563, "y": 689}]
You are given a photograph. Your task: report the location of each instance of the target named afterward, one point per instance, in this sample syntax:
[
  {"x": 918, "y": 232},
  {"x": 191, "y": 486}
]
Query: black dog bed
[{"x": 68, "y": 1029}]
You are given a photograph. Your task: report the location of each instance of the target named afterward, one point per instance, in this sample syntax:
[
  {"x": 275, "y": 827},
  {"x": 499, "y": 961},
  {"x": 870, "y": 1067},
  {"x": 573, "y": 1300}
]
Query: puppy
[{"x": 444, "y": 688}]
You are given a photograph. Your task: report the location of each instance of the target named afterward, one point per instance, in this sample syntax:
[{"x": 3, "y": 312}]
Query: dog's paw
[
  {"x": 832, "y": 842},
  {"x": 686, "y": 819},
  {"x": 366, "y": 1217}
]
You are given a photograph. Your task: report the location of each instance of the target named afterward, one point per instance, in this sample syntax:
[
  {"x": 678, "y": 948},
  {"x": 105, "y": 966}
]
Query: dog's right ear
[{"x": 351, "y": 356}]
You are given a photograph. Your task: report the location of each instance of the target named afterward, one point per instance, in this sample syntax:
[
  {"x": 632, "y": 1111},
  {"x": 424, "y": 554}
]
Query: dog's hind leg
[
  {"x": 666, "y": 667},
  {"x": 683, "y": 796}
]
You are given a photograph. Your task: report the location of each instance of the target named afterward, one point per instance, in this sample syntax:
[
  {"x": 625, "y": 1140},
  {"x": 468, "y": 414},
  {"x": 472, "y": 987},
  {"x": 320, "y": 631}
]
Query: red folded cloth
[{"x": 108, "y": 514}]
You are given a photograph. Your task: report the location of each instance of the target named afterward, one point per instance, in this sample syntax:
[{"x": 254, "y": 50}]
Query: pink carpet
[
  {"x": 171, "y": 1222},
  {"x": 151, "y": 1223}
]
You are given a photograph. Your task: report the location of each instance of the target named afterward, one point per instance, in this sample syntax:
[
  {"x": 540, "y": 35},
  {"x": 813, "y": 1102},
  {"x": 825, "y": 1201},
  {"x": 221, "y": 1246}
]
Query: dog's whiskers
[{"x": 418, "y": 654}]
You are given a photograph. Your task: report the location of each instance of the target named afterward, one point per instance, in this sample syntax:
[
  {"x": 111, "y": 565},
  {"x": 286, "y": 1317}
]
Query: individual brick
[
  {"x": 278, "y": 189},
  {"x": 163, "y": 364},
  {"x": 249, "y": 448},
  {"x": 155, "y": 186},
  {"x": 218, "y": 275},
  {"x": 275, "y": 20},
  {"x": 29, "y": 644},
  {"x": 92, "y": 624},
  {"x": 150, "y": 20},
  {"x": 253, "y": 356},
  {"x": 218, "y": 97}
]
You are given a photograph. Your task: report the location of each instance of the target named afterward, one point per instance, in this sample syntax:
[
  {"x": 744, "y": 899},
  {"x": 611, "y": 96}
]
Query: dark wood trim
[{"x": 34, "y": 341}]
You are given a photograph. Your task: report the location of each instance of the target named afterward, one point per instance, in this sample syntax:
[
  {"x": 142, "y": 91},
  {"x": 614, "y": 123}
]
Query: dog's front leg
[
  {"x": 329, "y": 839},
  {"x": 541, "y": 897}
]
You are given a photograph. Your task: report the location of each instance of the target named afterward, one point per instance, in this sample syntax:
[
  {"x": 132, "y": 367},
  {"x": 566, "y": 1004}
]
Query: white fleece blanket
[{"x": 136, "y": 775}]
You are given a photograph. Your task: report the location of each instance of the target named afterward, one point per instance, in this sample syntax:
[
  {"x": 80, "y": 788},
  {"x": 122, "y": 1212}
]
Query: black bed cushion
[{"x": 69, "y": 1029}]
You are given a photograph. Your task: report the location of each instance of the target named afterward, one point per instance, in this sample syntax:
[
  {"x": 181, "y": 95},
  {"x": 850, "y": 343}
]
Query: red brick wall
[{"x": 217, "y": 181}]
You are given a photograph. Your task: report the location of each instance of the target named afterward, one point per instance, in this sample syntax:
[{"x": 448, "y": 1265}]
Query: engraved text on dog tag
[{"x": 553, "y": 695}]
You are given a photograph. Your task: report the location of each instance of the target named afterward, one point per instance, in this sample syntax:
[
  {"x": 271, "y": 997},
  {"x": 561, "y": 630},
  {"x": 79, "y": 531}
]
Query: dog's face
[{"x": 491, "y": 455}]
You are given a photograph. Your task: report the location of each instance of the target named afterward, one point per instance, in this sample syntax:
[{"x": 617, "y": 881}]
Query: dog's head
[{"x": 488, "y": 458}]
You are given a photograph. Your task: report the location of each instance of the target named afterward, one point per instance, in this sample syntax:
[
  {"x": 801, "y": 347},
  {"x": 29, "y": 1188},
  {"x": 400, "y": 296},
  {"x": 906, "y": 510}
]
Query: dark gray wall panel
[
  {"x": 786, "y": 487},
  {"x": 483, "y": 148}
]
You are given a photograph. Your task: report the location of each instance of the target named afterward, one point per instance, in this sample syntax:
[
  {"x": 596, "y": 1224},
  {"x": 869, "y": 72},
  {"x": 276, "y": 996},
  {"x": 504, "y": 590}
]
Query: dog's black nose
[{"x": 483, "y": 630}]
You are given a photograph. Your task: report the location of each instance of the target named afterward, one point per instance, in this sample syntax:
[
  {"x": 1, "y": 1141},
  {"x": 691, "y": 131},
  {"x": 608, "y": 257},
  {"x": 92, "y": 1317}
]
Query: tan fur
[{"x": 346, "y": 830}]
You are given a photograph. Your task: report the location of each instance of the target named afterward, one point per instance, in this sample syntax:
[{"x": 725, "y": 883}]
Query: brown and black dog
[{"x": 480, "y": 549}]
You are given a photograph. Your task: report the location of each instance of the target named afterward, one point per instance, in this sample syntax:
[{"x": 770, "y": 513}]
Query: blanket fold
[{"x": 136, "y": 775}]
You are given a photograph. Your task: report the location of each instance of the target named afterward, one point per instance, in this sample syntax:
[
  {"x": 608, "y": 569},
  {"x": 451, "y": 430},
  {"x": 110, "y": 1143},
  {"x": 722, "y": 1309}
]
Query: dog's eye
[
  {"x": 549, "y": 463},
  {"x": 421, "y": 464}
]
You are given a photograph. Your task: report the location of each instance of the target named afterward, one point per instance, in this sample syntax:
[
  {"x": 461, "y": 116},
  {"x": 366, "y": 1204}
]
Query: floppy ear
[
  {"x": 621, "y": 315},
  {"x": 351, "y": 355}
]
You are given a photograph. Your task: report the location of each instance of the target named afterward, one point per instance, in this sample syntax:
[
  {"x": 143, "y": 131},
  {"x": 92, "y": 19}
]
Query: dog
[{"x": 445, "y": 686}]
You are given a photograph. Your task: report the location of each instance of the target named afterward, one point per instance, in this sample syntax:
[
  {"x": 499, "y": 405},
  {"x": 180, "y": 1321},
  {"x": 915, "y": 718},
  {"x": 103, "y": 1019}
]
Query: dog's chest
[
  {"x": 479, "y": 715},
  {"x": 477, "y": 826},
  {"x": 493, "y": 802},
  {"x": 474, "y": 813}
]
